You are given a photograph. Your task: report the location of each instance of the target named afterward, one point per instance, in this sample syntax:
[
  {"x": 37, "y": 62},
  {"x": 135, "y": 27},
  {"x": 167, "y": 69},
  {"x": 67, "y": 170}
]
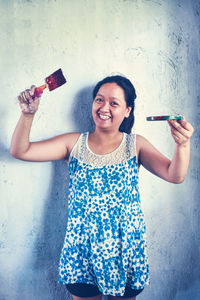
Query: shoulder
[
  {"x": 69, "y": 140},
  {"x": 70, "y": 137},
  {"x": 140, "y": 140},
  {"x": 141, "y": 143},
  {"x": 146, "y": 151}
]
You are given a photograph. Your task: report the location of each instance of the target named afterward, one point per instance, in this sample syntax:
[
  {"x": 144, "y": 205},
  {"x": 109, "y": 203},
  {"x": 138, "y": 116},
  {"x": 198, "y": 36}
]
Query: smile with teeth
[{"x": 104, "y": 117}]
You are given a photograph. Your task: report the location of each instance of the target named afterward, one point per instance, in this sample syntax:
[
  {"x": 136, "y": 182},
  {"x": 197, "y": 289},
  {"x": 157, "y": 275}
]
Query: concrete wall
[{"x": 156, "y": 44}]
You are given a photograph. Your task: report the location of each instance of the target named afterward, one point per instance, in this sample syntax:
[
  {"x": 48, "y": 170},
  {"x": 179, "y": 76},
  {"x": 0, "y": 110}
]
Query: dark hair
[{"x": 130, "y": 96}]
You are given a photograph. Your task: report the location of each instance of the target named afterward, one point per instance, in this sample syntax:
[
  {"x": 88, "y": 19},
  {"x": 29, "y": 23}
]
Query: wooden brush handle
[{"x": 39, "y": 90}]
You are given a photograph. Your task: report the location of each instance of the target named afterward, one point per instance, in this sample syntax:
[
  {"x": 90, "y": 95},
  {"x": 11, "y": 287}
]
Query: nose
[{"x": 105, "y": 106}]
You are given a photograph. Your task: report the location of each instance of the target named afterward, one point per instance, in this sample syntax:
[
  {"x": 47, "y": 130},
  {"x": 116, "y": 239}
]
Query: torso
[{"x": 106, "y": 228}]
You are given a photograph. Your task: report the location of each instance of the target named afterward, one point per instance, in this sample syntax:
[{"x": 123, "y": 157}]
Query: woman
[{"x": 104, "y": 251}]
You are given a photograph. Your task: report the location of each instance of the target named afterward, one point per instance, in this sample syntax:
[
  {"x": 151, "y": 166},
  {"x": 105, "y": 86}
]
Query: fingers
[
  {"x": 186, "y": 125},
  {"x": 28, "y": 103},
  {"x": 181, "y": 130},
  {"x": 28, "y": 108},
  {"x": 182, "y": 126},
  {"x": 177, "y": 127},
  {"x": 32, "y": 90},
  {"x": 178, "y": 137},
  {"x": 27, "y": 95}
]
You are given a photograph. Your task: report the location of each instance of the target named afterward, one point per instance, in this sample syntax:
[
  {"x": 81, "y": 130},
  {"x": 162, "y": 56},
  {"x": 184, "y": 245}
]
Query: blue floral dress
[{"x": 105, "y": 241}]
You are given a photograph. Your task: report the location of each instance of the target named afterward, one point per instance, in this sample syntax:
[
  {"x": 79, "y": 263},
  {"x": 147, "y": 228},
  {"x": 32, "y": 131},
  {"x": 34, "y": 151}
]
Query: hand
[
  {"x": 181, "y": 131},
  {"x": 28, "y": 103}
]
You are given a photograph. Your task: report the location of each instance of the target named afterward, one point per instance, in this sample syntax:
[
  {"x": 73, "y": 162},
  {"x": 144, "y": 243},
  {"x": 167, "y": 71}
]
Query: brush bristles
[{"x": 55, "y": 80}]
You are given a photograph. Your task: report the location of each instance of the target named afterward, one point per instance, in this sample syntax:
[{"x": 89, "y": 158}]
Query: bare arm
[
  {"x": 181, "y": 132},
  {"x": 174, "y": 170},
  {"x": 53, "y": 149}
]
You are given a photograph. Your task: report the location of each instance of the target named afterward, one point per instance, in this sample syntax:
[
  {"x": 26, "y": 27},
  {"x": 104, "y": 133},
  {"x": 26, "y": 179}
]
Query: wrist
[
  {"x": 183, "y": 145},
  {"x": 27, "y": 115}
]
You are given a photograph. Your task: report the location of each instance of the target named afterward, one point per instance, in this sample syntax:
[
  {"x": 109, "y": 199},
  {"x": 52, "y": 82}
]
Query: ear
[{"x": 128, "y": 110}]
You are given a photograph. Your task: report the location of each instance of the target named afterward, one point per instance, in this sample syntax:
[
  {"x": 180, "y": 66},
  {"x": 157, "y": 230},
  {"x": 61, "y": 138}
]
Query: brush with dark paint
[{"x": 53, "y": 81}]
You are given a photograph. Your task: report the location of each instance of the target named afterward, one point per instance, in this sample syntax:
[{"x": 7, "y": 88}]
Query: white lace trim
[{"x": 82, "y": 152}]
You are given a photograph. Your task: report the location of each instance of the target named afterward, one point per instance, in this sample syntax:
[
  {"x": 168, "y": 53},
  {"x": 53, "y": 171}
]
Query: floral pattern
[{"x": 105, "y": 242}]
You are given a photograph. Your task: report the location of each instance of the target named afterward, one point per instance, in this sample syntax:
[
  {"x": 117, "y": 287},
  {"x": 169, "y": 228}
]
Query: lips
[{"x": 104, "y": 117}]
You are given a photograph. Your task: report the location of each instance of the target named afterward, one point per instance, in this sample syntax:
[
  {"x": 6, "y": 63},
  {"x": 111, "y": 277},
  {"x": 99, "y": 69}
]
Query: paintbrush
[{"x": 53, "y": 81}]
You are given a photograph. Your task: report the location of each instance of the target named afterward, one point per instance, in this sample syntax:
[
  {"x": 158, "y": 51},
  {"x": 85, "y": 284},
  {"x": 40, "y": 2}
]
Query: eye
[
  {"x": 98, "y": 100},
  {"x": 113, "y": 103}
]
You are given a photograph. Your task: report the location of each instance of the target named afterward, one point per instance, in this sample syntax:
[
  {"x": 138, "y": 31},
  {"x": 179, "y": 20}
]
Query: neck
[{"x": 105, "y": 135}]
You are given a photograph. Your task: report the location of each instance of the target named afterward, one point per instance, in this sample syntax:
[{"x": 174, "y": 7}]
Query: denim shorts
[{"x": 90, "y": 290}]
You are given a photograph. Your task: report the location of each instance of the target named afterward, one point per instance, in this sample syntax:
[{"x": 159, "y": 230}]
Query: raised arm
[
  {"x": 174, "y": 170},
  {"x": 55, "y": 148}
]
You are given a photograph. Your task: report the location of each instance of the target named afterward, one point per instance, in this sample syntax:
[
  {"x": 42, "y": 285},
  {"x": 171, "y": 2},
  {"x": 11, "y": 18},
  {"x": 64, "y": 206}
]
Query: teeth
[{"x": 104, "y": 117}]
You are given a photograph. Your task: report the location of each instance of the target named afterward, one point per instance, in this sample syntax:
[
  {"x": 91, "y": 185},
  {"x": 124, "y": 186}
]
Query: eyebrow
[
  {"x": 99, "y": 95},
  {"x": 115, "y": 98}
]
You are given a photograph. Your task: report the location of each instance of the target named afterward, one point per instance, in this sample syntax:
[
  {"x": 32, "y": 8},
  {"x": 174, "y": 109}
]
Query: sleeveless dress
[{"x": 105, "y": 241}]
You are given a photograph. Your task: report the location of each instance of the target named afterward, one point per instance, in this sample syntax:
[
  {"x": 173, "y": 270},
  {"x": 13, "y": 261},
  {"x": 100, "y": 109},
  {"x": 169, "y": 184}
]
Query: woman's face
[{"x": 109, "y": 107}]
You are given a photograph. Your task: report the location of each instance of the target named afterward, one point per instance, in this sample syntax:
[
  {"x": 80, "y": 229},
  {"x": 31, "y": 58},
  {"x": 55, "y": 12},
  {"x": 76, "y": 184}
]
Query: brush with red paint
[{"x": 53, "y": 81}]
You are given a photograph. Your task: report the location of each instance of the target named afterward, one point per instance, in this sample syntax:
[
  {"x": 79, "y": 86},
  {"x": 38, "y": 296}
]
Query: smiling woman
[
  {"x": 105, "y": 249},
  {"x": 109, "y": 107},
  {"x": 126, "y": 93}
]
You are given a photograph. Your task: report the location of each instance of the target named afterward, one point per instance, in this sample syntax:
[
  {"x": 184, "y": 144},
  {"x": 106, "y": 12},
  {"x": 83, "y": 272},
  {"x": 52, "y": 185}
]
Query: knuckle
[{"x": 19, "y": 98}]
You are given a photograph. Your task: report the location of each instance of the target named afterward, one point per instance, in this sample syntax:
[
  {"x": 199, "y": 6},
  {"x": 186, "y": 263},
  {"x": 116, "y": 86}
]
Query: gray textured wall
[{"x": 154, "y": 43}]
